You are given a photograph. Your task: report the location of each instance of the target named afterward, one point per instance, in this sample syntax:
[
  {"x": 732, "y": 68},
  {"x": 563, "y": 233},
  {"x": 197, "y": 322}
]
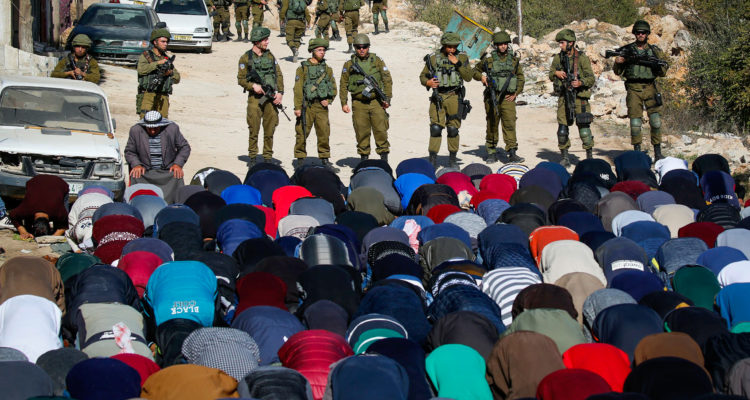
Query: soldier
[
  {"x": 641, "y": 87},
  {"x": 294, "y": 12},
  {"x": 378, "y": 8},
  {"x": 501, "y": 73},
  {"x": 241, "y": 16},
  {"x": 154, "y": 82},
  {"x": 450, "y": 69},
  {"x": 314, "y": 90},
  {"x": 577, "y": 79},
  {"x": 258, "y": 67},
  {"x": 322, "y": 18},
  {"x": 78, "y": 64},
  {"x": 282, "y": 20},
  {"x": 351, "y": 21},
  {"x": 368, "y": 110},
  {"x": 221, "y": 19},
  {"x": 258, "y": 10},
  {"x": 333, "y": 7}
]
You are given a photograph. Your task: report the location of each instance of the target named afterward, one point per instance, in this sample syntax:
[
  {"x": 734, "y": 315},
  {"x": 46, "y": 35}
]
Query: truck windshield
[
  {"x": 184, "y": 7},
  {"x": 53, "y": 108}
]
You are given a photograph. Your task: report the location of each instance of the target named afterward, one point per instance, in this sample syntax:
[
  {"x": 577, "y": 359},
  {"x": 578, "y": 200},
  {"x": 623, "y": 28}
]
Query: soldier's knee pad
[
  {"x": 654, "y": 119},
  {"x": 562, "y": 134},
  {"x": 586, "y": 137},
  {"x": 436, "y": 130},
  {"x": 635, "y": 126},
  {"x": 452, "y": 132}
]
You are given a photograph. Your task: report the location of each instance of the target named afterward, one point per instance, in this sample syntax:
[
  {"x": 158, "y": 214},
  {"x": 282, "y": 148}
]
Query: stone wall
[{"x": 16, "y": 62}]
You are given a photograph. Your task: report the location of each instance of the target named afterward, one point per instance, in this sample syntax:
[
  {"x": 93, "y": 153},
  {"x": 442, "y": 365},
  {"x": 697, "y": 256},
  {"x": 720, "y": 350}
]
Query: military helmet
[
  {"x": 259, "y": 33},
  {"x": 317, "y": 42},
  {"x": 565, "y": 34},
  {"x": 159, "y": 33},
  {"x": 450, "y": 39},
  {"x": 500, "y": 37},
  {"x": 641, "y": 26},
  {"x": 361, "y": 38},
  {"x": 81, "y": 40}
]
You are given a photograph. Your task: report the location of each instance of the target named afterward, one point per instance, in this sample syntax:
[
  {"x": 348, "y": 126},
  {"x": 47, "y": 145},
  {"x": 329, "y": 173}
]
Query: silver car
[
  {"x": 57, "y": 127},
  {"x": 188, "y": 22}
]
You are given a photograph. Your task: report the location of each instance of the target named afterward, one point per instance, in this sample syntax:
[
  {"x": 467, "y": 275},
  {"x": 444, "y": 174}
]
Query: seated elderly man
[{"x": 156, "y": 152}]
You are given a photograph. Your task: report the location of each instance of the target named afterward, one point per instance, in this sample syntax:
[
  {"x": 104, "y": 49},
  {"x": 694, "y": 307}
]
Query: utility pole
[{"x": 520, "y": 22}]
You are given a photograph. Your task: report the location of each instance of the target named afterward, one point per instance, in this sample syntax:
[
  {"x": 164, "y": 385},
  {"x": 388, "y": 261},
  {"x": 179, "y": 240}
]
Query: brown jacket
[
  {"x": 31, "y": 275},
  {"x": 174, "y": 148}
]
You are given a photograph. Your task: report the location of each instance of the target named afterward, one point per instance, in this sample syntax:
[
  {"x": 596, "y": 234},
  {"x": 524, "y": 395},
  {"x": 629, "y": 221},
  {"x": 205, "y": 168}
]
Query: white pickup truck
[{"x": 57, "y": 127}]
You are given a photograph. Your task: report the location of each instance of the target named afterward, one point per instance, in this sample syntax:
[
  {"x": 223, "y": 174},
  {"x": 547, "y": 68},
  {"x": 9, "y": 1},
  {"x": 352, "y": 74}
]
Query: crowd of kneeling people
[{"x": 407, "y": 284}]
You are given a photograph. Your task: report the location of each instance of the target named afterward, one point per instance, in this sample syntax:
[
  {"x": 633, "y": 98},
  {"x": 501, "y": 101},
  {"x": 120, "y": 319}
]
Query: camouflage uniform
[
  {"x": 451, "y": 77},
  {"x": 313, "y": 83},
  {"x": 368, "y": 114},
  {"x": 260, "y": 107},
  {"x": 640, "y": 84}
]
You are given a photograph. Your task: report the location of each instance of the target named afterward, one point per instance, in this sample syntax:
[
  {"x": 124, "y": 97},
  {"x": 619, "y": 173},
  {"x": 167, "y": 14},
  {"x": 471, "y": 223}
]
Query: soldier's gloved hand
[
  {"x": 258, "y": 89},
  {"x": 277, "y": 98}
]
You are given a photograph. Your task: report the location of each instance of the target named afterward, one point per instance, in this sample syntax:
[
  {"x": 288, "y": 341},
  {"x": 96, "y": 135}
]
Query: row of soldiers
[
  {"x": 366, "y": 78},
  {"x": 294, "y": 18}
]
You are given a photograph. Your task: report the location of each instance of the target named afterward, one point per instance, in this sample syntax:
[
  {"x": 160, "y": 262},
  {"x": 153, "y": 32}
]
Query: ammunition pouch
[{"x": 464, "y": 107}]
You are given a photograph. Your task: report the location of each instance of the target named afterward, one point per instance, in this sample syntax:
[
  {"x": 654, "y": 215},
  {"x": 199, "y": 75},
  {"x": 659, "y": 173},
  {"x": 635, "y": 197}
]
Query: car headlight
[
  {"x": 201, "y": 30},
  {"x": 135, "y": 43},
  {"x": 105, "y": 169}
]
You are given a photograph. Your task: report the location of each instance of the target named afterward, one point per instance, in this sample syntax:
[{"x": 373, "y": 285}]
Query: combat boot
[
  {"x": 637, "y": 147},
  {"x": 328, "y": 165},
  {"x": 386, "y": 27},
  {"x": 337, "y": 37},
  {"x": 246, "y": 40},
  {"x": 217, "y": 36},
  {"x": 513, "y": 157},
  {"x": 239, "y": 37},
  {"x": 252, "y": 162},
  {"x": 376, "y": 30},
  {"x": 657, "y": 152},
  {"x": 294, "y": 54},
  {"x": 491, "y": 158},
  {"x": 589, "y": 154},
  {"x": 433, "y": 159},
  {"x": 363, "y": 157},
  {"x": 565, "y": 162},
  {"x": 452, "y": 161},
  {"x": 228, "y": 34},
  {"x": 384, "y": 157},
  {"x": 350, "y": 50}
]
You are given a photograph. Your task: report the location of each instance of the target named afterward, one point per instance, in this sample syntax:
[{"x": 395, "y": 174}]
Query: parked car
[
  {"x": 60, "y": 127},
  {"x": 120, "y": 32},
  {"x": 189, "y": 23}
]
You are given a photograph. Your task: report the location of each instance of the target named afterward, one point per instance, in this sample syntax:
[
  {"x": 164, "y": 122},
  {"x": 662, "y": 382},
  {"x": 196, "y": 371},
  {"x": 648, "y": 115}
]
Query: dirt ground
[{"x": 210, "y": 108}]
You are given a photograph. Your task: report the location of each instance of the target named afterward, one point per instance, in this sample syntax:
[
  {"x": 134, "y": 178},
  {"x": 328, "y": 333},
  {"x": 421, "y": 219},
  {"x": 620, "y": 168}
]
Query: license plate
[
  {"x": 74, "y": 187},
  {"x": 182, "y": 37}
]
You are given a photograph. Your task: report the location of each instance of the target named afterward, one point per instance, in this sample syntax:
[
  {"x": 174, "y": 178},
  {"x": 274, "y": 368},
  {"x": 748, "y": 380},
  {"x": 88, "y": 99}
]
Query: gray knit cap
[{"x": 230, "y": 350}]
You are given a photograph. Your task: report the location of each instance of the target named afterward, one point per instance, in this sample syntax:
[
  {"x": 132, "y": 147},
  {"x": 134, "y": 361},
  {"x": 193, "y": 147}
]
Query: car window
[
  {"x": 132, "y": 18},
  {"x": 53, "y": 108},
  {"x": 184, "y": 7}
]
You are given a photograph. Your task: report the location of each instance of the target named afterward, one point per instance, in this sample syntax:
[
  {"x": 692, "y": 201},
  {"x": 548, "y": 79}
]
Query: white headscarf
[{"x": 30, "y": 324}]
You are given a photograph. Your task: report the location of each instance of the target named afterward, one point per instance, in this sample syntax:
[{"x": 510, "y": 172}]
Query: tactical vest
[
  {"x": 352, "y": 5},
  {"x": 296, "y": 10},
  {"x": 265, "y": 65},
  {"x": 333, "y": 6},
  {"x": 143, "y": 80},
  {"x": 447, "y": 73},
  {"x": 635, "y": 72},
  {"x": 368, "y": 65},
  {"x": 318, "y": 85},
  {"x": 322, "y": 6},
  {"x": 82, "y": 64},
  {"x": 501, "y": 71}
]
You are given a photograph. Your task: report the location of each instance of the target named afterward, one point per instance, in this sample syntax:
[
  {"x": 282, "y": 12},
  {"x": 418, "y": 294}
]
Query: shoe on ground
[{"x": 5, "y": 223}]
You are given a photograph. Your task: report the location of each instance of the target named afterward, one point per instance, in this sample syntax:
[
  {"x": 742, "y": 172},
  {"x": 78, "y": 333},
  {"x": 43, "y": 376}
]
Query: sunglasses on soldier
[{"x": 361, "y": 46}]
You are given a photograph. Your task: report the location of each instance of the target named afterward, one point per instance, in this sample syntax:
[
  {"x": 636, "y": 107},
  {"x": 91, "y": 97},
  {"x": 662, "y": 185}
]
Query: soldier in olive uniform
[
  {"x": 148, "y": 67},
  {"x": 333, "y": 7},
  {"x": 221, "y": 18},
  {"x": 378, "y": 9},
  {"x": 579, "y": 78},
  {"x": 282, "y": 20},
  {"x": 258, "y": 8},
  {"x": 78, "y": 64},
  {"x": 241, "y": 16},
  {"x": 351, "y": 20},
  {"x": 451, "y": 69},
  {"x": 641, "y": 87},
  {"x": 323, "y": 13},
  {"x": 314, "y": 90},
  {"x": 294, "y": 12},
  {"x": 368, "y": 111},
  {"x": 260, "y": 106},
  {"x": 501, "y": 73}
]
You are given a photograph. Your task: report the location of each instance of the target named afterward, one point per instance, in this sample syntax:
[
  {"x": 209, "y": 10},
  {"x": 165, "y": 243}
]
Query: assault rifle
[
  {"x": 435, "y": 96},
  {"x": 270, "y": 92},
  {"x": 161, "y": 74},
  {"x": 490, "y": 91},
  {"x": 370, "y": 84},
  {"x": 632, "y": 57},
  {"x": 71, "y": 66},
  {"x": 567, "y": 90}
]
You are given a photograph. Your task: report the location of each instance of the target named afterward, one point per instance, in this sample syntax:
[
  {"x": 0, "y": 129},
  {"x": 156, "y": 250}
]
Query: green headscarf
[{"x": 457, "y": 371}]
